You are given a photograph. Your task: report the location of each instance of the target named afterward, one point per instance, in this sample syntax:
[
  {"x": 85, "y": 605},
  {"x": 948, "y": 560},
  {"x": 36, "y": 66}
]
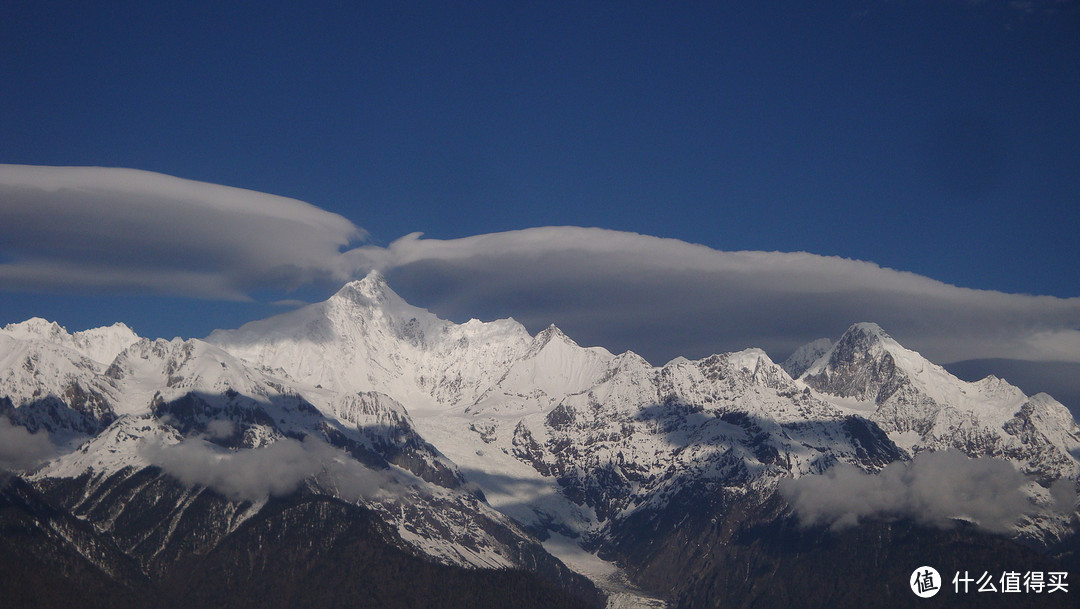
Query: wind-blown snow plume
[
  {"x": 933, "y": 488},
  {"x": 274, "y": 470},
  {"x": 95, "y": 228},
  {"x": 20, "y": 449}
]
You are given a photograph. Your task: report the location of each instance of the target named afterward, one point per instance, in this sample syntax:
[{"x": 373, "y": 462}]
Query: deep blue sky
[{"x": 936, "y": 137}]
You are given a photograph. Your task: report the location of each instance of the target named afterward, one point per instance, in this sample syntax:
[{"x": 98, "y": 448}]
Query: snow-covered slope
[
  {"x": 923, "y": 407},
  {"x": 366, "y": 338},
  {"x": 98, "y": 344},
  {"x": 52, "y": 386},
  {"x": 204, "y": 404},
  {"x": 576, "y": 440},
  {"x": 494, "y": 432},
  {"x": 805, "y": 356}
]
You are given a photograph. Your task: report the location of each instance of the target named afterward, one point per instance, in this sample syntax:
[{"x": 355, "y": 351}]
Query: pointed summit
[
  {"x": 552, "y": 332},
  {"x": 371, "y": 290},
  {"x": 370, "y": 305},
  {"x": 552, "y": 340},
  {"x": 863, "y": 336},
  {"x": 865, "y": 363},
  {"x": 374, "y": 282},
  {"x": 860, "y": 342},
  {"x": 368, "y": 338},
  {"x": 869, "y": 365}
]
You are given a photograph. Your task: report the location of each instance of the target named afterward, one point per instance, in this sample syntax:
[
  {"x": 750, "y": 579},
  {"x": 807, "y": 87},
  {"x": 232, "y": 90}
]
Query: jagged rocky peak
[
  {"x": 865, "y": 363},
  {"x": 753, "y": 363},
  {"x": 862, "y": 343},
  {"x": 549, "y": 334},
  {"x": 869, "y": 365}
]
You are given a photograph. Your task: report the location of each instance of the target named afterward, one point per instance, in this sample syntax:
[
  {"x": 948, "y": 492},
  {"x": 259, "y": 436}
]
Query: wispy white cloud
[
  {"x": 274, "y": 470},
  {"x": 20, "y": 449},
  {"x": 220, "y": 429},
  {"x": 93, "y": 228},
  {"x": 933, "y": 488},
  {"x": 665, "y": 297}
]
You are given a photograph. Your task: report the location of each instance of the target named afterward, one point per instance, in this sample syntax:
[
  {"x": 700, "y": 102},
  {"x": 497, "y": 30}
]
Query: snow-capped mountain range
[{"x": 484, "y": 446}]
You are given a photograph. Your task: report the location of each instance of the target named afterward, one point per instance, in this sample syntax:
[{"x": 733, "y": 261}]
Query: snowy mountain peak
[
  {"x": 372, "y": 293},
  {"x": 105, "y": 343},
  {"x": 923, "y": 407},
  {"x": 868, "y": 365},
  {"x": 569, "y": 440},
  {"x": 549, "y": 334},
  {"x": 805, "y": 356},
  {"x": 868, "y": 328},
  {"x": 36, "y": 327},
  {"x": 372, "y": 298},
  {"x": 371, "y": 290},
  {"x": 863, "y": 344},
  {"x": 750, "y": 359},
  {"x": 98, "y": 344},
  {"x": 866, "y": 336}
]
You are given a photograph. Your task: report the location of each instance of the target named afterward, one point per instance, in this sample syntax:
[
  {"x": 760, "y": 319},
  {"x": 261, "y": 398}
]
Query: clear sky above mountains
[{"x": 935, "y": 137}]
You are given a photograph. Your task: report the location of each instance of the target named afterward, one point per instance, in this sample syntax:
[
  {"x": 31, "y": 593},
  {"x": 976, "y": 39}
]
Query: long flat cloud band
[
  {"x": 78, "y": 229},
  {"x": 664, "y": 297},
  {"x": 105, "y": 228}
]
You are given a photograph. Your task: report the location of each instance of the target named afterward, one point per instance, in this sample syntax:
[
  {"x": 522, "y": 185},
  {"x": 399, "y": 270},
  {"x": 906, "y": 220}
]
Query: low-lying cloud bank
[
  {"x": 21, "y": 450},
  {"x": 274, "y": 470},
  {"x": 934, "y": 488},
  {"x": 96, "y": 228}
]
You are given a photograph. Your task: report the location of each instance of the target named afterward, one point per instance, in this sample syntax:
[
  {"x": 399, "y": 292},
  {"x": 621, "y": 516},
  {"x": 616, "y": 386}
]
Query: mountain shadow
[
  {"x": 748, "y": 551},
  {"x": 303, "y": 550}
]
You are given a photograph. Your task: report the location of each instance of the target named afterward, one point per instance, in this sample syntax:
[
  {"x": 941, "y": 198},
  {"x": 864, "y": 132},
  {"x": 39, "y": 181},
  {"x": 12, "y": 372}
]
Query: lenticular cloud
[
  {"x": 99, "y": 228},
  {"x": 664, "y": 298},
  {"x": 70, "y": 229}
]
